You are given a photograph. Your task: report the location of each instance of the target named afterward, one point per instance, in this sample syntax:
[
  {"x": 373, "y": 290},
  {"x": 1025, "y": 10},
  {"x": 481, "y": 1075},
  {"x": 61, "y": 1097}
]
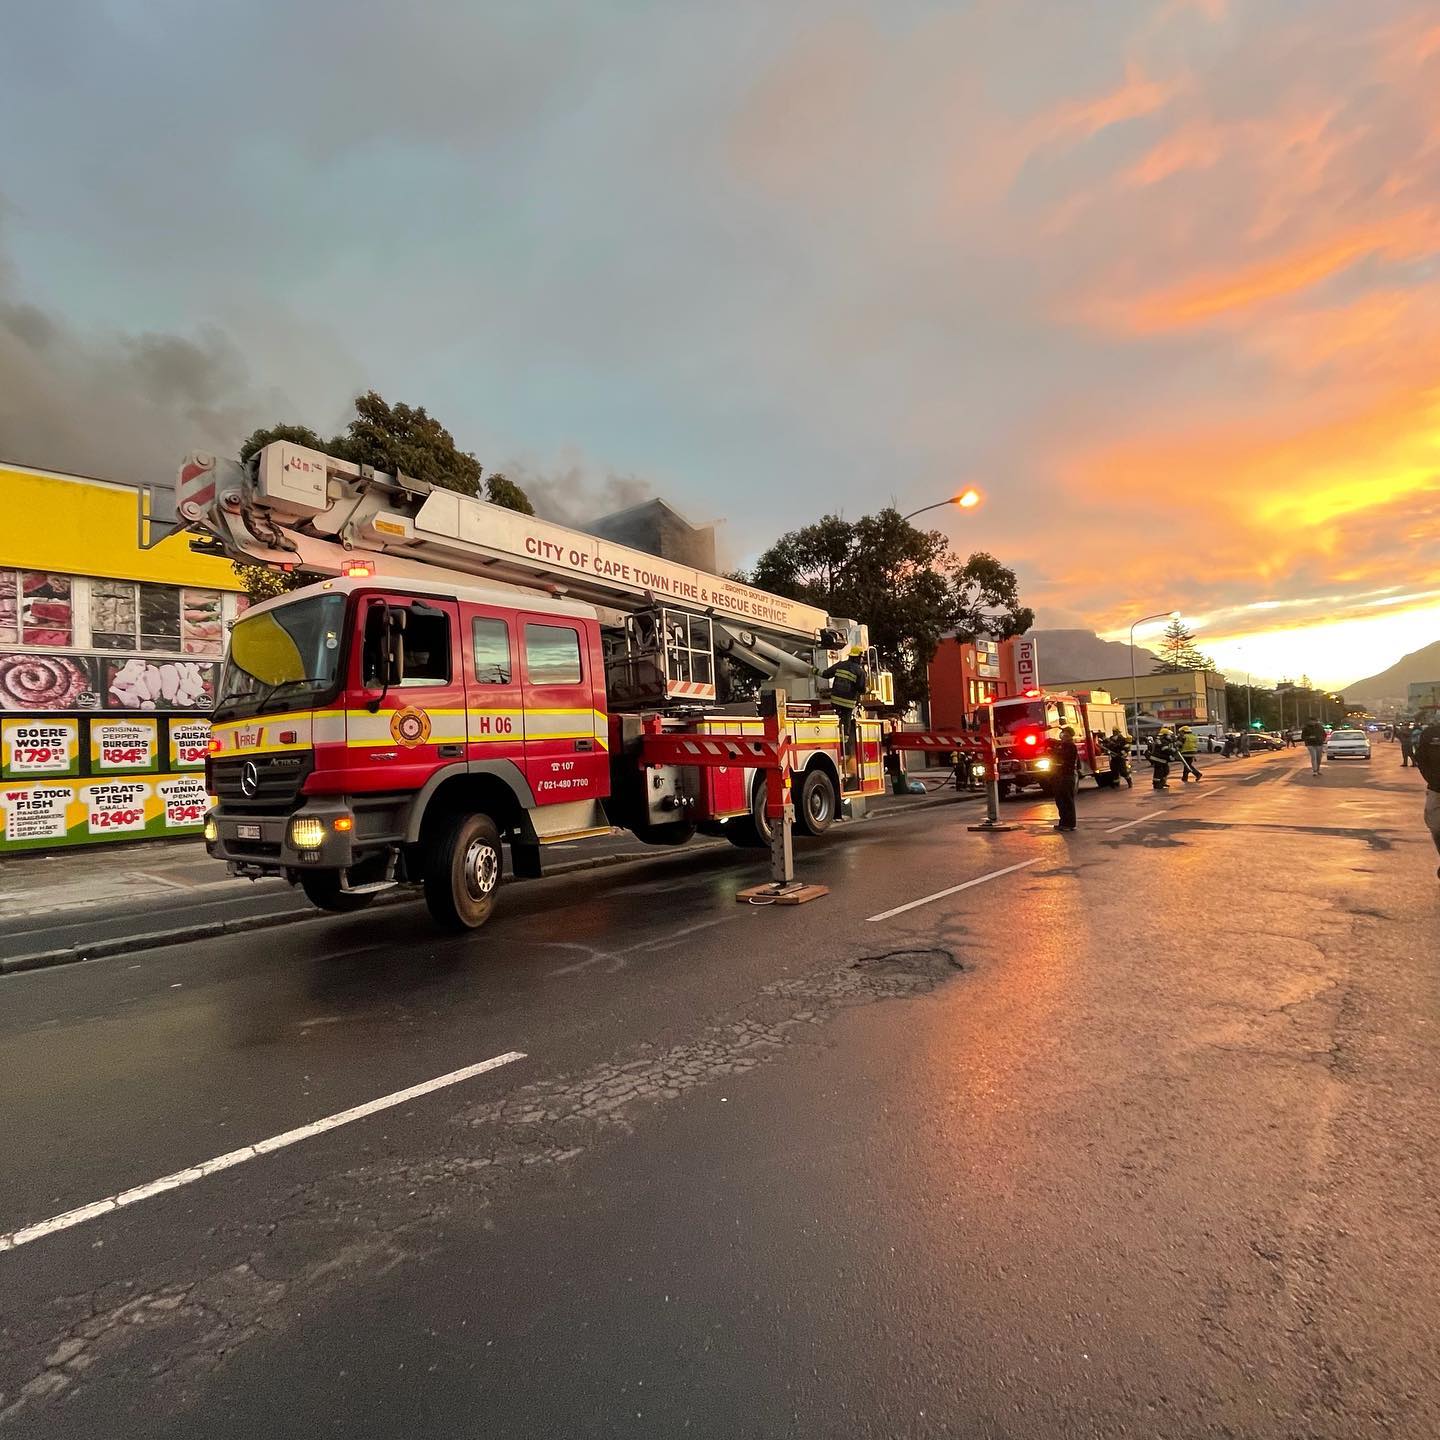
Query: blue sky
[{"x": 1157, "y": 274}]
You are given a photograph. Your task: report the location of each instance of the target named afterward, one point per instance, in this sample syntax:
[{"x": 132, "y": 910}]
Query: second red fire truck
[{"x": 1027, "y": 730}]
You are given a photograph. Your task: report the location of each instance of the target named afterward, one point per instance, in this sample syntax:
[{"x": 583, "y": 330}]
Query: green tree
[
  {"x": 501, "y": 490},
  {"x": 1178, "y": 651},
  {"x": 904, "y": 583},
  {"x": 392, "y": 438}
]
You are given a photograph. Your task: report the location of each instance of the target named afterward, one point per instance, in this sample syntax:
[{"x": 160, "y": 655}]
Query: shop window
[
  {"x": 159, "y": 617},
  {"x": 112, "y": 614},
  {"x": 552, "y": 655},
  {"x": 491, "y": 643},
  {"x": 45, "y": 613},
  {"x": 202, "y": 628},
  {"x": 9, "y": 609}
]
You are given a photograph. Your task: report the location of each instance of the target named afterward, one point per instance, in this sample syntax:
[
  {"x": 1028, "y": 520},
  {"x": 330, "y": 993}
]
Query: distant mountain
[
  {"x": 1066, "y": 655},
  {"x": 1391, "y": 684}
]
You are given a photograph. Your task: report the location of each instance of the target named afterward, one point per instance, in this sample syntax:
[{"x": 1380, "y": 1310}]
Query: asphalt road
[{"x": 1134, "y": 1135}]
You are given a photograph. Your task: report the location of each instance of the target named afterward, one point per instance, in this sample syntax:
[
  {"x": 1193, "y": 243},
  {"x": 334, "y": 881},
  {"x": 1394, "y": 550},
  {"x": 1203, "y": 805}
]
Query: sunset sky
[{"x": 1160, "y": 277}]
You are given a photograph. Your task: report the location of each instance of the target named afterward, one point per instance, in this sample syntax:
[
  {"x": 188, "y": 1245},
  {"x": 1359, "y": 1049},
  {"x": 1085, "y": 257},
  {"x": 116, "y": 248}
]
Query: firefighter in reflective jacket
[{"x": 848, "y": 684}]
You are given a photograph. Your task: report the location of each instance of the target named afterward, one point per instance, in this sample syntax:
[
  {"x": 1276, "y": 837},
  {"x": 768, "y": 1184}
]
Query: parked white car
[{"x": 1347, "y": 745}]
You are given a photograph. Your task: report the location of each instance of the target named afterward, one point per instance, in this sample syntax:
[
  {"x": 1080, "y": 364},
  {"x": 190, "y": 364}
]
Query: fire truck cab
[{"x": 1027, "y": 730}]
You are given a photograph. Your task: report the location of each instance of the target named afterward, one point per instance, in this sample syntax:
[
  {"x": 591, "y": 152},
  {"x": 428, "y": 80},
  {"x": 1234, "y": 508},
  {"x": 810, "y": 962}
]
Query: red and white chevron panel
[
  {"x": 750, "y": 750},
  {"x": 689, "y": 689}
]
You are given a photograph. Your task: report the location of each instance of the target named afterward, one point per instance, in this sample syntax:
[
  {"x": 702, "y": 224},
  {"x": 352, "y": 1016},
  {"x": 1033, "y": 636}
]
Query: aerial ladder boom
[{"x": 299, "y": 509}]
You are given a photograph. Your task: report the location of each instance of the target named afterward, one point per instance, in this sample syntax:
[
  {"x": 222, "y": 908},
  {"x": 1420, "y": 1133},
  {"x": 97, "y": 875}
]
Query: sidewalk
[{"x": 67, "y": 880}]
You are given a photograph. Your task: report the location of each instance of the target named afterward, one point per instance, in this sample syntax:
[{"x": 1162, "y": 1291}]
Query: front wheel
[
  {"x": 752, "y": 831},
  {"x": 463, "y": 865},
  {"x": 322, "y": 889},
  {"x": 819, "y": 804}
]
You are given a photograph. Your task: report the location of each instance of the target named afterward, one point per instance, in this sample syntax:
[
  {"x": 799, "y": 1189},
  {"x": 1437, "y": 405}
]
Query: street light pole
[
  {"x": 966, "y": 500},
  {"x": 1134, "y": 693}
]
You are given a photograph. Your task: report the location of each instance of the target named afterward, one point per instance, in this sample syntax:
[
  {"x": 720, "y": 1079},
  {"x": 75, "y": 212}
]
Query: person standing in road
[
  {"x": 1426, "y": 749},
  {"x": 1405, "y": 734},
  {"x": 1189, "y": 747},
  {"x": 1312, "y": 735},
  {"x": 1161, "y": 753},
  {"x": 1117, "y": 747},
  {"x": 1067, "y": 778}
]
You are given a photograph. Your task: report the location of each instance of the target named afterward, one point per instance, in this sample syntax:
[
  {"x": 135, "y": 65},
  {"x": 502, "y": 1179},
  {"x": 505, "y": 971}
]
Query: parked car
[
  {"x": 1261, "y": 740},
  {"x": 1347, "y": 745}
]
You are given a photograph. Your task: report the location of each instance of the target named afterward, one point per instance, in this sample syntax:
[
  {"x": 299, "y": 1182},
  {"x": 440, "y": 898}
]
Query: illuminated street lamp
[
  {"x": 1134, "y": 694},
  {"x": 966, "y": 500}
]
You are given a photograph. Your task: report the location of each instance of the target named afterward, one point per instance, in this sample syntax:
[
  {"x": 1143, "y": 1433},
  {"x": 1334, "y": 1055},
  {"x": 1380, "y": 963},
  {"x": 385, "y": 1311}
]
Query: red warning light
[
  {"x": 1032, "y": 739},
  {"x": 359, "y": 570}
]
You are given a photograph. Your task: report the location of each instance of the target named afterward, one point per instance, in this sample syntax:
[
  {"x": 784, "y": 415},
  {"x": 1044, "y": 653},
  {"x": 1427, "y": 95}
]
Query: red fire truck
[
  {"x": 470, "y": 676},
  {"x": 1027, "y": 730}
]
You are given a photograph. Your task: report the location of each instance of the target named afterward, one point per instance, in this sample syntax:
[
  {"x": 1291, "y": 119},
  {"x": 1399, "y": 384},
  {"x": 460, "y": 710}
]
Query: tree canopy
[
  {"x": 400, "y": 437},
  {"x": 1178, "y": 651},
  {"x": 905, "y": 584}
]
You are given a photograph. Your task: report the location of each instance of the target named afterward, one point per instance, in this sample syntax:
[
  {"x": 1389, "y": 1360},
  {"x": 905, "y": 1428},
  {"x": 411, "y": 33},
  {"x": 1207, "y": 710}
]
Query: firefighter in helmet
[{"x": 848, "y": 683}]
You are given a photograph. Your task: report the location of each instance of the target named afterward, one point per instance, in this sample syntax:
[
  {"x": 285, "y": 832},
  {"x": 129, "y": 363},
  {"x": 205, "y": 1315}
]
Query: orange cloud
[
  {"x": 1243, "y": 290},
  {"x": 1133, "y": 99}
]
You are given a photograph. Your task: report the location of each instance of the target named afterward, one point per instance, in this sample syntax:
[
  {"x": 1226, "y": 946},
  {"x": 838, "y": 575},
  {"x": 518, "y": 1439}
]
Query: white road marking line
[
  {"x": 1139, "y": 820},
  {"x": 1151, "y": 814},
  {"x": 955, "y": 889},
  {"x": 97, "y": 1208}
]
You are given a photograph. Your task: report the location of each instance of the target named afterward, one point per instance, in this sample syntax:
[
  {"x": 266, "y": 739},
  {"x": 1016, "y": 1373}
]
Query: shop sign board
[
  {"x": 1027, "y": 665},
  {"x": 124, "y": 745},
  {"x": 49, "y": 814},
  {"x": 189, "y": 744},
  {"x": 44, "y": 746}
]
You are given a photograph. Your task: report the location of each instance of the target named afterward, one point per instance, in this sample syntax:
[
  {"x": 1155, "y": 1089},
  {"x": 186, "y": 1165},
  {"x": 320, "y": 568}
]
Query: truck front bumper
[{"x": 306, "y": 839}]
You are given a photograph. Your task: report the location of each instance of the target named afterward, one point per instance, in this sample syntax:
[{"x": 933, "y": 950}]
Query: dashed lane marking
[
  {"x": 15, "y": 1238},
  {"x": 1151, "y": 814},
  {"x": 955, "y": 889}
]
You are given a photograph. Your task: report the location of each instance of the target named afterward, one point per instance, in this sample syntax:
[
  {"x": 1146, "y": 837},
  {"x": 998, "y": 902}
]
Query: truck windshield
[
  {"x": 1009, "y": 719},
  {"x": 282, "y": 657}
]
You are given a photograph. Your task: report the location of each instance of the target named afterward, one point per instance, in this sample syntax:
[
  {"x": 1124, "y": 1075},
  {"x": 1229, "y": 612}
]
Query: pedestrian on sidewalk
[
  {"x": 1067, "y": 778},
  {"x": 1426, "y": 748},
  {"x": 1312, "y": 734},
  {"x": 1189, "y": 747},
  {"x": 1117, "y": 747},
  {"x": 1406, "y": 736},
  {"x": 1161, "y": 754}
]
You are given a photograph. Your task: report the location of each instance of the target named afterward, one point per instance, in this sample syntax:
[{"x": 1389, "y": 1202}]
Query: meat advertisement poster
[
  {"x": 49, "y": 814},
  {"x": 121, "y": 745},
  {"x": 104, "y": 682},
  {"x": 39, "y": 747}
]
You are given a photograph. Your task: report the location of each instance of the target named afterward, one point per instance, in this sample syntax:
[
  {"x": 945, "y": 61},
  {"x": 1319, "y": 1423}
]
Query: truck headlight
[
  {"x": 211, "y": 831},
  {"x": 978, "y": 771},
  {"x": 1042, "y": 764},
  {"x": 307, "y": 833}
]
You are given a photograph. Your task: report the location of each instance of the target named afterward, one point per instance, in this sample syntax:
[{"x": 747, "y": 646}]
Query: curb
[{"x": 183, "y": 935}]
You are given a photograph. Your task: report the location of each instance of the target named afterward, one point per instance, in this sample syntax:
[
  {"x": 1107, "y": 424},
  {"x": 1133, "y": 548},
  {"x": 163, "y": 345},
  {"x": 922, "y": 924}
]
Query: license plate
[{"x": 247, "y": 832}]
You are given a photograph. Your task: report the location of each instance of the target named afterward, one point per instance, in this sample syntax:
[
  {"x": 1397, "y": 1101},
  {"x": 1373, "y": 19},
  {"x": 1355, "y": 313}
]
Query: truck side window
[
  {"x": 552, "y": 655},
  {"x": 491, "y": 643},
  {"x": 427, "y": 646}
]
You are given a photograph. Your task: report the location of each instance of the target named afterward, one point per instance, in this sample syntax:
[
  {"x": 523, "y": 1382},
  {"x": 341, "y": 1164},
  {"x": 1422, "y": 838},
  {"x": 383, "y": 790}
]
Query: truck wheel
[
  {"x": 752, "y": 831},
  {"x": 463, "y": 864},
  {"x": 672, "y": 832},
  {"x": 818, "y": 806},
  {"x": 322, "y": 889}
]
